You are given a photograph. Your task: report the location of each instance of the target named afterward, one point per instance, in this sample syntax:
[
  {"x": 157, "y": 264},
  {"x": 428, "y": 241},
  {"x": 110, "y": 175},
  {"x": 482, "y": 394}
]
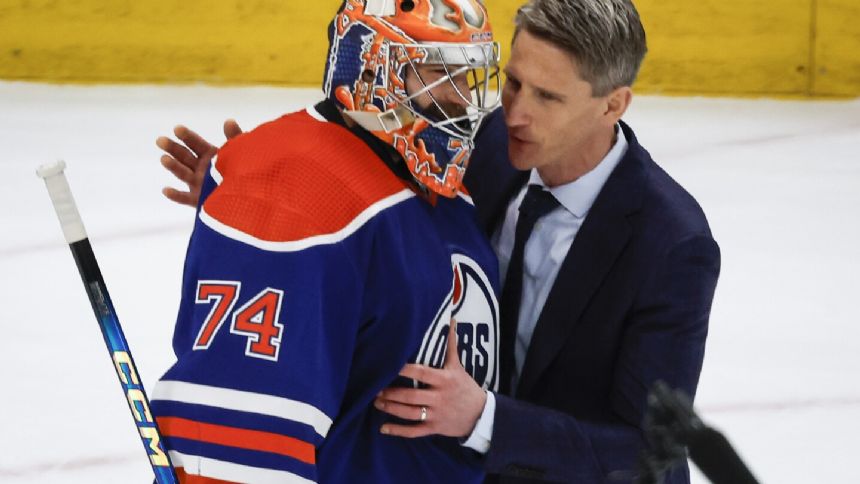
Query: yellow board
[
  {"x": 710, "y": 47},
  {"x": 726, "y": 46},
  {"x": 837, "y": 66},
  {"x": 260, "y": 41}
]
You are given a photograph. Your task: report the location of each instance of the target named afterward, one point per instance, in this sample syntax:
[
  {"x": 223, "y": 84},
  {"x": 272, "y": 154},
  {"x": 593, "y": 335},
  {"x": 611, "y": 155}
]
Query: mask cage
[{"x": 472, "y": 70}]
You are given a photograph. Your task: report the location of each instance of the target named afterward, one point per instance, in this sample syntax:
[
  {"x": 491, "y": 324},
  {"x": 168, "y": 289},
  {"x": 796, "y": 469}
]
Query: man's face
[
  {"x": 550, "y": 113},
  {"x": 445, "y": 94}
]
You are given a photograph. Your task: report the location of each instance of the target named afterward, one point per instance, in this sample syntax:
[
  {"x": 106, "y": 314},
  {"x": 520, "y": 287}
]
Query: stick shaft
[{"x": 106, "y": 316}]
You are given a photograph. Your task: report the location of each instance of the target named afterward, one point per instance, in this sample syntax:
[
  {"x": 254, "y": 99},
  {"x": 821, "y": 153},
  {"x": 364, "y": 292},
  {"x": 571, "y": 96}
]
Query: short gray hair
[{"x": 604, "y": 37}]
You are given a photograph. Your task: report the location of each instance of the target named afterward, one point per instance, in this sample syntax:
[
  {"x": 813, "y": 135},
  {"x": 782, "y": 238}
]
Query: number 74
[{"x": 258, "y": 319}]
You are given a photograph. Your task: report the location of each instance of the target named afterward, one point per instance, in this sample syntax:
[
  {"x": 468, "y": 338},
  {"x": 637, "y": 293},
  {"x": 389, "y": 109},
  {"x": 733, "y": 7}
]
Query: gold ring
[{"x": 423, "y": 414}]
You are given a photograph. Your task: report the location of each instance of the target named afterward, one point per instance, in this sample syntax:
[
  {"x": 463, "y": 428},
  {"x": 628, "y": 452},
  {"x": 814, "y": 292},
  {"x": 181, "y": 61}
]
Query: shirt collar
[{"x": 578, "y": 196}]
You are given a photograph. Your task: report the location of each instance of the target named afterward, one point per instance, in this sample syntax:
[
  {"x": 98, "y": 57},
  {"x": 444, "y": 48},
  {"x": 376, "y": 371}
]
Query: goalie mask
[{"x": 418, "y": 74}]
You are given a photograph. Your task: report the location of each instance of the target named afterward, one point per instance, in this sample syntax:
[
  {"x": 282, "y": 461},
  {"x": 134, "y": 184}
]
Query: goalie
[{"x": 331, "y": 248}]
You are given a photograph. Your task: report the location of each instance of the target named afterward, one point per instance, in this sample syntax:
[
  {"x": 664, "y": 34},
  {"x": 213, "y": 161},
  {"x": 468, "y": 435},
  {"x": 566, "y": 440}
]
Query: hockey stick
[
  {"x": 673, "y": 429},
  {"x": 126, "y": 370}
]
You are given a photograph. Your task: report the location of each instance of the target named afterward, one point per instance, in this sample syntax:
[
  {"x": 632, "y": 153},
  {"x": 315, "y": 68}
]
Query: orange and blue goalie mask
[{"x": 419, "y": 74}]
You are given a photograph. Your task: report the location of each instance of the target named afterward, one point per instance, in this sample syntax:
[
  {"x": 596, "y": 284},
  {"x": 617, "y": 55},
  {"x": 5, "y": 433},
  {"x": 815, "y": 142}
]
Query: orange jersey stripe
[
  {"x": 297, "y": 177},
  {"x": 241, "y": 438},
  {"x": 192, "y": 479}
]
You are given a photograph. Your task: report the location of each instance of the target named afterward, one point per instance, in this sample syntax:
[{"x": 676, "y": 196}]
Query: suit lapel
[{"x": 601, "y": 240}]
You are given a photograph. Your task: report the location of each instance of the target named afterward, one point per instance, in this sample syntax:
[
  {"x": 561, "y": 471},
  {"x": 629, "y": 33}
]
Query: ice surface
[{"x": 779, "y": 180}]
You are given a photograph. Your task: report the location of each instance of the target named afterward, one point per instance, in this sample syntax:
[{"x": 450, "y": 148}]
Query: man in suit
[
  {"x": 612, "y": 289},
  {"x": 614, "y": 266}
]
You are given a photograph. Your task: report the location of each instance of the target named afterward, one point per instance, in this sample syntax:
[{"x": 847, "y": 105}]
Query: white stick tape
[{"x": 64, "y": 203}]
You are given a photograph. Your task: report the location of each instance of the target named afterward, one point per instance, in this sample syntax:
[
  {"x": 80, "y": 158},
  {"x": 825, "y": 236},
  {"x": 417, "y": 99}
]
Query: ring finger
[{"x": 406, "y": 412}]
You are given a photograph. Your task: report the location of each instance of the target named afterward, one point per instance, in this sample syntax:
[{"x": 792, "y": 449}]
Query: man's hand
[
  {"x": 189, "y": 161},
  {"x": 452, "y": 404}
]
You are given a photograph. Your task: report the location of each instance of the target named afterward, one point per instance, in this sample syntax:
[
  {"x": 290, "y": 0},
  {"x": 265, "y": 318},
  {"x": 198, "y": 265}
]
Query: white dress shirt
[{"x": 544, "y": 253}]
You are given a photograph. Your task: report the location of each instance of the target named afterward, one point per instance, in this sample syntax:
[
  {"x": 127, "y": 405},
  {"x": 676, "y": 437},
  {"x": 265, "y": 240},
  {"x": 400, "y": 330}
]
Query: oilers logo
[{"x": 473, "y": 305}]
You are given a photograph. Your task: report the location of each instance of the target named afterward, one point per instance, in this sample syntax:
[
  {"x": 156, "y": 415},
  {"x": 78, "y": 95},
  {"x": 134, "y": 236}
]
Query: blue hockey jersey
[{"x": 313, "y": 275}]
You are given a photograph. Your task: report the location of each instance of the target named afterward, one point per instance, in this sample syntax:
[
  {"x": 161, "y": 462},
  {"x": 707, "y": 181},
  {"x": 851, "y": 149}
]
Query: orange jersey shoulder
[{"x": 295, "y": 178}]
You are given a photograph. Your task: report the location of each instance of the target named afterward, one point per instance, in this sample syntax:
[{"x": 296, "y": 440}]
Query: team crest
[{"x": 472, "y": 303}]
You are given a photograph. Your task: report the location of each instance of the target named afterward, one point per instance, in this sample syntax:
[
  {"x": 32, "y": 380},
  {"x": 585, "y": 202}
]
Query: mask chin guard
[{"x": 386, "y": 121}]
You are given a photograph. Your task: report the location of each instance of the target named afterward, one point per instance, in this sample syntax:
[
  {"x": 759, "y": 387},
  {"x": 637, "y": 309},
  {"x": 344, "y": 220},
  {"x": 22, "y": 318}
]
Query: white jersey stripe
[
  {"x": 229, "y": 471},
  {"x": 242, "y": 401},
  {"x": 216, "y": 175},
  {"x": 312, "y": 110},
  {"x": 298, "y": 245},
  {"x": 465, "y": 197}
]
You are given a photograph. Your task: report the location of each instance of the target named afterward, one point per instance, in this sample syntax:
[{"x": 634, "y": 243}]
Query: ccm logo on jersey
[{"x": 472, "y": 303}]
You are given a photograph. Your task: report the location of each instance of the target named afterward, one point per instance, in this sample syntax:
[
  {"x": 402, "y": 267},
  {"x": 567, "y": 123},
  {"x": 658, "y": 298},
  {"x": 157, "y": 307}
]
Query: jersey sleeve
[{"x": 264, "y": 340}]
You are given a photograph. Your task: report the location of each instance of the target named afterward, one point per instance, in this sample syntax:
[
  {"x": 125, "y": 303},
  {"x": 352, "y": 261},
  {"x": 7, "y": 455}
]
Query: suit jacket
[{"x": 630, "y": 305}]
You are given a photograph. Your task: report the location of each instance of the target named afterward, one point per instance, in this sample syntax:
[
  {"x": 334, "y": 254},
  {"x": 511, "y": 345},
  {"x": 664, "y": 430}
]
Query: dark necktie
[{"x": 537, "y": 203}]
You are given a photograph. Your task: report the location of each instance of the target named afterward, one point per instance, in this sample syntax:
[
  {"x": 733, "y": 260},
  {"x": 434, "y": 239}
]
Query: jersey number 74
[{"x": 258, "y": 319}]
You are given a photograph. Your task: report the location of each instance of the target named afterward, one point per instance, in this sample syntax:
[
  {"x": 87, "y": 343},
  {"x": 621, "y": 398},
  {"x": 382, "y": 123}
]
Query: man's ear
[{"x": 617, "y": 103}]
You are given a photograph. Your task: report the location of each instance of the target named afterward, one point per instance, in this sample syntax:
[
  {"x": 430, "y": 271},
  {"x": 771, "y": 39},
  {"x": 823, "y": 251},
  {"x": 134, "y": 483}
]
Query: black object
[
  {"x": 672, "y": 429},
  {"x": 537, "y": 203}
]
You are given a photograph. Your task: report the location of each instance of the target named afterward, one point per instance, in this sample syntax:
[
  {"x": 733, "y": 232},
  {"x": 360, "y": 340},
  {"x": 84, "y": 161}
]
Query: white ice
[{"x": 779, "y": 180}]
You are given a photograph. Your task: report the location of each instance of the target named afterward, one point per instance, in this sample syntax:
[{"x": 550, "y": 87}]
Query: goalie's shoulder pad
[{"x": 296, "y": 178}]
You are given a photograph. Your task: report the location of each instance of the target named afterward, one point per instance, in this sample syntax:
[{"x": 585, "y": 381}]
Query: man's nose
[{"x": 516, "y": 110}]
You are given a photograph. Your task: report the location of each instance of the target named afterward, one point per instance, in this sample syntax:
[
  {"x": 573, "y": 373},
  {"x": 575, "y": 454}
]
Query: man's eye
[{"x": 547, "y": 96}]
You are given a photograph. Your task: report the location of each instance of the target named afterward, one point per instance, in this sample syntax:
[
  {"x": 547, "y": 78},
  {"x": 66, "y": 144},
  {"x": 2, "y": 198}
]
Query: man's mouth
[{"x": 518, "y": 138}]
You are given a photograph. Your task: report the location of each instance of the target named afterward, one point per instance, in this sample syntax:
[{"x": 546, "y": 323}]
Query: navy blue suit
[{"x": 630, "y": 306}]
